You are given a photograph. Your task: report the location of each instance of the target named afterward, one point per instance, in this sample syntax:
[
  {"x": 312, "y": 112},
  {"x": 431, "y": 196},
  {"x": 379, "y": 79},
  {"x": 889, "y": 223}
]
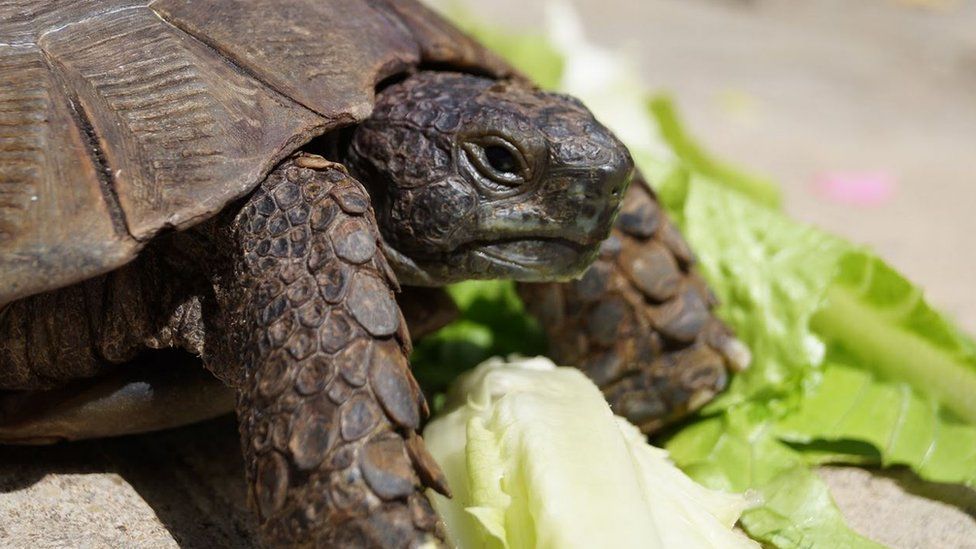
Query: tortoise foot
[
  {"x": 640, "y": 320},
  {"x": 328, "y": 408}
]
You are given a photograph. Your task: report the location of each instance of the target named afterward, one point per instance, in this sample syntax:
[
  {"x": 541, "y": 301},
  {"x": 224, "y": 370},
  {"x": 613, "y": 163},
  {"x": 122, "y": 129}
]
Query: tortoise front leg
[
  {"x": 640, "y": 320},
  {"x": 328, "y": 408}
]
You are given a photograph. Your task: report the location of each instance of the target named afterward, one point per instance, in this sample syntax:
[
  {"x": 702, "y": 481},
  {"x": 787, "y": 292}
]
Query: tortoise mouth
[
  {"x": 528, "y": 251},
  {"x": 534, "y": 258},
  {"x": 525, "y": 259}
]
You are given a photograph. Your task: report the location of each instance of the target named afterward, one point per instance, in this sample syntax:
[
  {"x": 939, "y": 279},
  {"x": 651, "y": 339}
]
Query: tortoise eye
[
  {"x": 498, "y": 160},
  {"x": 501, "y": 159}
]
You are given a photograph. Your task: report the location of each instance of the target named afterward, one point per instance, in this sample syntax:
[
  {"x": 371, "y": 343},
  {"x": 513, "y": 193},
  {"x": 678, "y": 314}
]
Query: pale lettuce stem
[{"x": 896, "y": 353}]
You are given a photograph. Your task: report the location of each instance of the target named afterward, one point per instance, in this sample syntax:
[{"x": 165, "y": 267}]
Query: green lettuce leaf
[
  {"x": 899, "y": 376},
  {"x": 737, "y": 451},
  {"x": 904, "y": 427}
]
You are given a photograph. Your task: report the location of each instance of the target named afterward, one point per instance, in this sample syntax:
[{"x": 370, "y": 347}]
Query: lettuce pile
[{"x": 851, "y": 364}]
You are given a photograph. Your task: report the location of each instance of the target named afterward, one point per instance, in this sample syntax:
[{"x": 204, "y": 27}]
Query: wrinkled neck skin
[{"x": 473, "y": 178}]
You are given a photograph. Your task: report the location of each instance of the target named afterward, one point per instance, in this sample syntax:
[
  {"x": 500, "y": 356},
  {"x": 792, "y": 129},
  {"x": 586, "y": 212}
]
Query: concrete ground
[
  {"x": 183, "y": 488},
  {"x": 793, "y": 89}
]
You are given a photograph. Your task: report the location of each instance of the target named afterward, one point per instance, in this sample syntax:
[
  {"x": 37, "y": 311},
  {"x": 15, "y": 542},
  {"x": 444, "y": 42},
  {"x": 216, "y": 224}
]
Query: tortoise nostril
[
  {"x": 616, "y": 175},
  {"x": 618, "y": 181}
]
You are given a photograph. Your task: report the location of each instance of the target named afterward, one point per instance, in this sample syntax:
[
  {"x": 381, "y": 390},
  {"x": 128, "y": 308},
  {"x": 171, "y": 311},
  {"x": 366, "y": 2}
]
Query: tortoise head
[{"x": 478, "y": 178}]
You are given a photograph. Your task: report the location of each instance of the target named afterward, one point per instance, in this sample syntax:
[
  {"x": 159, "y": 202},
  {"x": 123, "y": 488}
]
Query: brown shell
[{"x": 123, "y": 118}]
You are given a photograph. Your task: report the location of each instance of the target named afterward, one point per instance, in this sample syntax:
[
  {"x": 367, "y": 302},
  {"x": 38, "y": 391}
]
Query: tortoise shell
[{"x": 122, "y": 119}]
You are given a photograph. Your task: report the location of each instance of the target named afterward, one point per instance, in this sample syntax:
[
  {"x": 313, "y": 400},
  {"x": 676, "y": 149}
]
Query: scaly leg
[
  {"x": 328, "y": 408},
  {"x": 639, "y": 321}
]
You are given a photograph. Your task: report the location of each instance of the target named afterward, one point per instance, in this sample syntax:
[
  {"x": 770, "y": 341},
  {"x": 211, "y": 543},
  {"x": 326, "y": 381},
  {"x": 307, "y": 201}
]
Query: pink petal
[{"x": 858, "y": 189}]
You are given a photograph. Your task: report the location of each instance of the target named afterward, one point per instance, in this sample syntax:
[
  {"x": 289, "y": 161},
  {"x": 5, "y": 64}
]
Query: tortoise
[{"x": 246, "y": 185}]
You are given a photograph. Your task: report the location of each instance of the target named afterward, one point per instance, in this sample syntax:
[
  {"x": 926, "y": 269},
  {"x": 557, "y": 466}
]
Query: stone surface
[
  {"x": 185, "y": 488},
  {"x": 181, "y": 488},
  {"x": 898, "y": 509}
]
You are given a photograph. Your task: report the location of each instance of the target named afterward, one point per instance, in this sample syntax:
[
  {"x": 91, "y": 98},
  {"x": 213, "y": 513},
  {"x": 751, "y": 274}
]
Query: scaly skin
[
  {"x": 328, "y": 408},
  {"x": 640, "y": 321}
]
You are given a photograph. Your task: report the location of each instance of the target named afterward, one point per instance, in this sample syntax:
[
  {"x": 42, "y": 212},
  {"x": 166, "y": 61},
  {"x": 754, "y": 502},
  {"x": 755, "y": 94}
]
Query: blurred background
[{"x": 863, "y": 110}]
